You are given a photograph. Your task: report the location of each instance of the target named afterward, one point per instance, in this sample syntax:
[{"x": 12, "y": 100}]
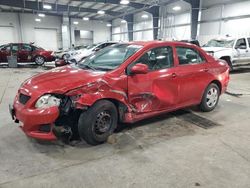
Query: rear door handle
[{"x": 174, "y": 75}]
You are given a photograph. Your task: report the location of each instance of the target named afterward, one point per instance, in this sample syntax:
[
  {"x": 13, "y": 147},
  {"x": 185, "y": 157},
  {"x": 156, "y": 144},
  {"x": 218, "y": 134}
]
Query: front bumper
[
  {"x": 50, "y": 58},
  {"x": 33, "y": 120}
]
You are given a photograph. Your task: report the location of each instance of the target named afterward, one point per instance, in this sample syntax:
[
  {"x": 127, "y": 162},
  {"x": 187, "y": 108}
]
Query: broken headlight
[{"x": 47, "y": 101}]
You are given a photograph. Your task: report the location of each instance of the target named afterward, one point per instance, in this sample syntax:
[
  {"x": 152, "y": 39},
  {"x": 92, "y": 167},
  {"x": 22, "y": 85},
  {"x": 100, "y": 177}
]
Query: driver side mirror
[{"x": 139, "y": 68}]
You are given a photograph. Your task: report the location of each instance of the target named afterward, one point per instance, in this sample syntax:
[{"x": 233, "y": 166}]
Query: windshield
[
  {"x": 109, "y": 58},
  {"x": 220, "y": 43}
]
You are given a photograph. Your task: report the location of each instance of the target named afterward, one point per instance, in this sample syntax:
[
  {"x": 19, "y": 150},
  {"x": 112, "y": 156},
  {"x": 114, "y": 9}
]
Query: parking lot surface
[{"x": 172, "y": 150}]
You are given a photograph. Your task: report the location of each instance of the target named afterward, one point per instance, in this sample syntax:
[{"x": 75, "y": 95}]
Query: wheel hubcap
[
  {"x": 39, "y": 60},
  {"x": 212, "y": 97},
  {"x": 102, "y": 123}
]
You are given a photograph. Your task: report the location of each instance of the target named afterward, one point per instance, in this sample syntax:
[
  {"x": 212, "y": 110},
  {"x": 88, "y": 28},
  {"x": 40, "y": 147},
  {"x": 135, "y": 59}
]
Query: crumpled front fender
[{"x": 87, "y": 95}]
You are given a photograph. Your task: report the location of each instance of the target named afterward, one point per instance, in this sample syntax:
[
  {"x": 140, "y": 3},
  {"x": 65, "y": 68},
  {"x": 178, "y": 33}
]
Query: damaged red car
[{"x": 127, "y": 82}]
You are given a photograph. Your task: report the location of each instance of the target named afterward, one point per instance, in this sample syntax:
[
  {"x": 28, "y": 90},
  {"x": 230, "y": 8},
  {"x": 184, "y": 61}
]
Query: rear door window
[
  {"x": 26, "y": 47},
  {"x": 189, "y": 56}
]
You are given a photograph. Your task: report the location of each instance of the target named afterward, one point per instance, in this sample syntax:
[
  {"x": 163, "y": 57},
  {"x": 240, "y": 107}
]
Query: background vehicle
[
  {"x": 124, "y": 83},
  {"x": 233, "y": 51},
  {"x": 196, "y": 42},
  {"x": 89, "y": 50},
  {"x": 82, "y": 53},
  {"x": 64, "y": 54},
  {"x": 25, "y": 53}
]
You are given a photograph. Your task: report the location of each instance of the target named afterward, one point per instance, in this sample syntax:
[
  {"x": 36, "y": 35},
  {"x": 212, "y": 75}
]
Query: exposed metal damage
[
  {"x": 76, "y": 100},
  {"x": 72, "y": 105}
]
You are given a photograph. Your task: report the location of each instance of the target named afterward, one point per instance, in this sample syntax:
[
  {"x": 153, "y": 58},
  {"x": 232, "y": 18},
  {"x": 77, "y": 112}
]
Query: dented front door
[{"x": 156, "y": 90}]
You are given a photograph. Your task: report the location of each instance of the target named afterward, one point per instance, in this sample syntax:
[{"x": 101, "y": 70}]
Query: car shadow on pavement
[
  {"x": 126, "y": 138},
  {"x": 140, "y": 134}
]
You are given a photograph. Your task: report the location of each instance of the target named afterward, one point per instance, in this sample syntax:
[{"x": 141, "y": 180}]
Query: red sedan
[
  {"x": 127, "y": 82},
  {"x": 25, "y": 53}
]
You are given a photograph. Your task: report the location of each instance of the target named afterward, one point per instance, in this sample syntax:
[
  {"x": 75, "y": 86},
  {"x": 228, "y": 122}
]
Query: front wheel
[
  {"x": 39, "y": 60},
  {"x": 97, "y": 123},
  {"x": 210, "y": 98}
]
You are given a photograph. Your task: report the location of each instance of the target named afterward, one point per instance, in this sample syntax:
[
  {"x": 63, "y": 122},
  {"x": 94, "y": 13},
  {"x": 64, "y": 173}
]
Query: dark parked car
[
  {"x": 125, "y": 82},
  {"x": 25, "y": 53}
]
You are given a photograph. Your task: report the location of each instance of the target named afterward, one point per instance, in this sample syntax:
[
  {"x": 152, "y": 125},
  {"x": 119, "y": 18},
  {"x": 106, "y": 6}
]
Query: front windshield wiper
[
  {"x": 88, "y": 67},
  {"x": 103, "y": 68}
]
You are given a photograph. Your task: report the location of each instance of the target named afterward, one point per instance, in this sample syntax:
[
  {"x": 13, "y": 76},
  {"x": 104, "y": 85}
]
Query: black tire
[
  {"x": 39, "y": 60},
  {"x": 97, "y": 123},
  {"x": 209, "y": 99},
  {"x": 227, "y": 59}
]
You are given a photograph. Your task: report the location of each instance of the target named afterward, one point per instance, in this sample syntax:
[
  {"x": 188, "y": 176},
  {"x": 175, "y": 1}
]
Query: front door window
[{"x": 158, "y": 58}]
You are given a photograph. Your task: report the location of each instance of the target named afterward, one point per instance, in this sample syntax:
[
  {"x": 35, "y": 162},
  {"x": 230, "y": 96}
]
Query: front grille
[
  {"x": 23, "y": 98},
  {"x": 45, "y": 128}
]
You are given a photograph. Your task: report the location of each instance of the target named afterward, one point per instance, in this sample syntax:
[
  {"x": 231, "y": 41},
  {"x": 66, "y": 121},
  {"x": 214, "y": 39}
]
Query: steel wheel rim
[
  {"x": 103, "y": 123},
  {"x": 212, "y": 97}
]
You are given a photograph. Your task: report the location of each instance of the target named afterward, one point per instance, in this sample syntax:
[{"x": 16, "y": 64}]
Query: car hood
[
  {"x": 61, "y": 80},
  {"x": 215, "y": 49}
]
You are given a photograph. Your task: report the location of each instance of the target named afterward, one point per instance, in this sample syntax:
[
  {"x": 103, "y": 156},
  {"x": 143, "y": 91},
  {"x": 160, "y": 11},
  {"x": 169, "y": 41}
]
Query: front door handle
[{"x": 174, "y": 75}]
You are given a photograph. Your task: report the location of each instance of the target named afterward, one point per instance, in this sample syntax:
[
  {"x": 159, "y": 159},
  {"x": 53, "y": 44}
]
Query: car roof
[
  {"x": 151, "y": 43},
  {"x": 19, "y": 43}
]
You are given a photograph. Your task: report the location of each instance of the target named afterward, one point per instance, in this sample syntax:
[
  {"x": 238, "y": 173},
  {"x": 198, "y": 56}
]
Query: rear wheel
[
  {"x": 210, "y": 98},
  {"x": 97, "y": 123},
  {"x": 39, "y": 60}
]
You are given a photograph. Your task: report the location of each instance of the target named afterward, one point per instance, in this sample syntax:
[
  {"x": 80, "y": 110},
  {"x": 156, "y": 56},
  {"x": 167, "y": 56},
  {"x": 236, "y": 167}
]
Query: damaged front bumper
[{"x": 36, "y": 123}]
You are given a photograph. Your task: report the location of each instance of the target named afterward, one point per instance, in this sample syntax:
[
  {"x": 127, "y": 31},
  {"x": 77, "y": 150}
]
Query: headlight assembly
[{"x": 47, "y": 101}]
